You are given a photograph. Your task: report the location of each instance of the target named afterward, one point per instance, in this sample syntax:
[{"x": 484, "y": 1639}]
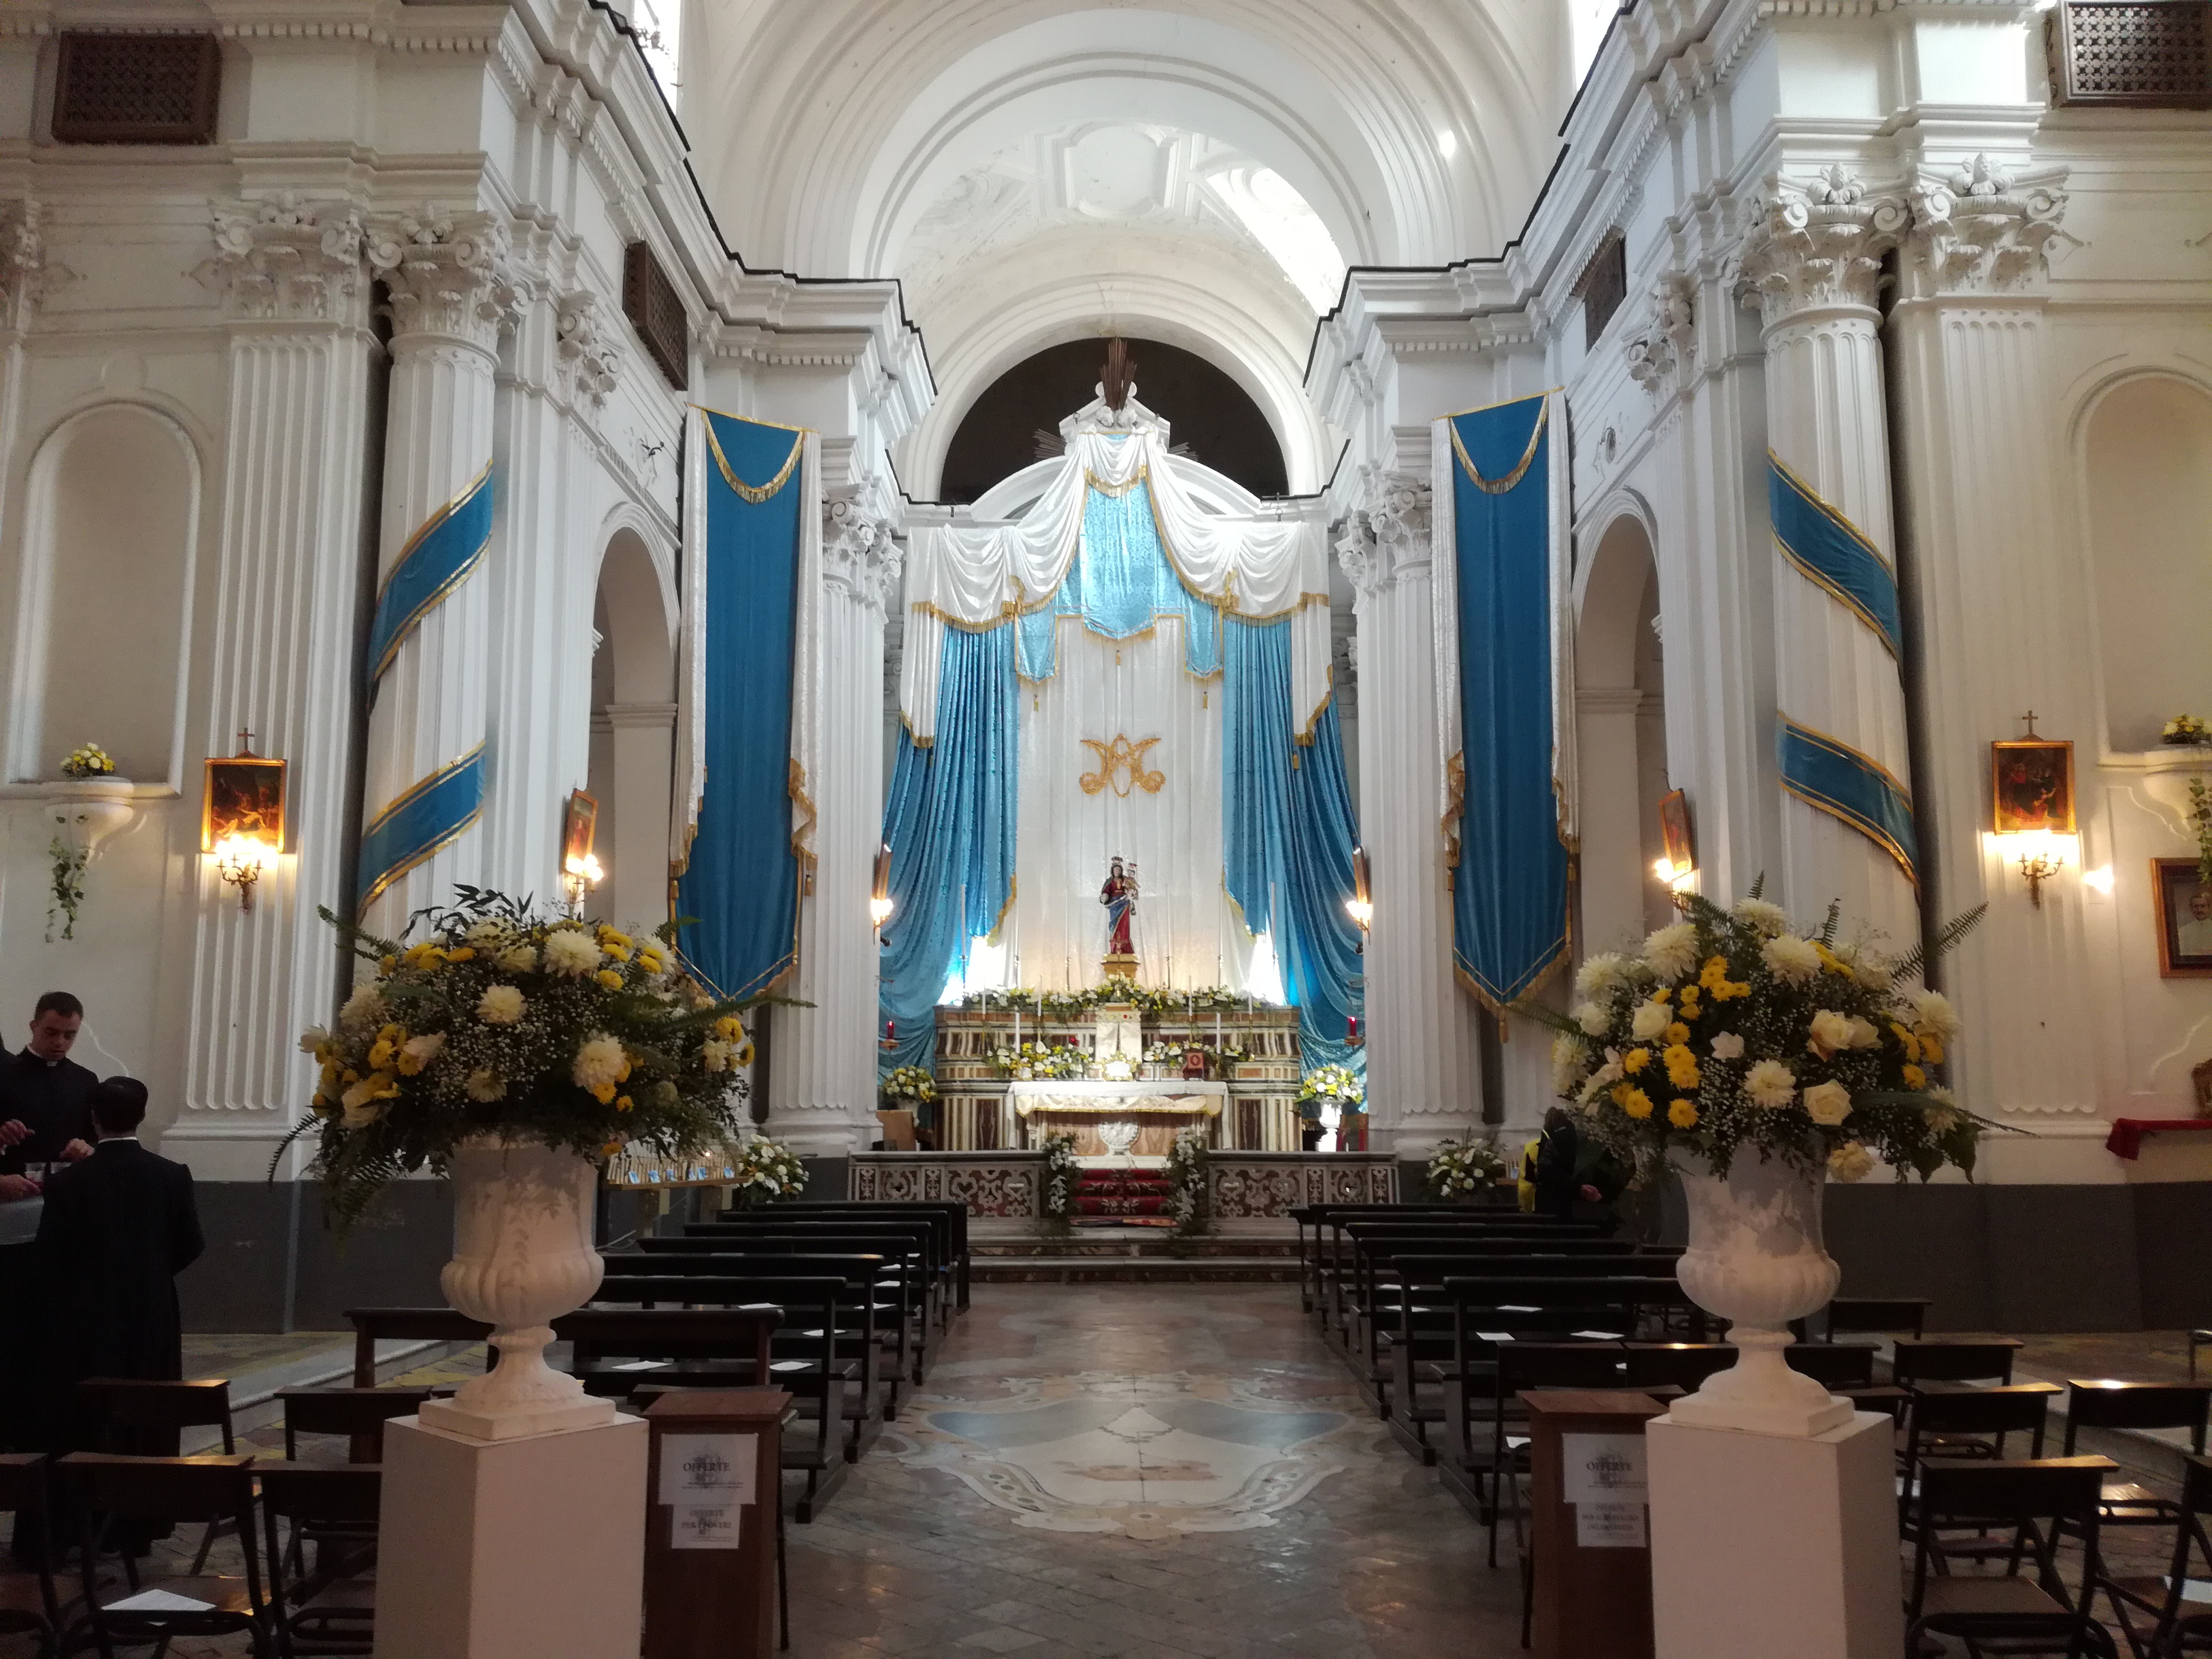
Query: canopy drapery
[
  {"x": 750, "y": 668},
  {"x": 1505, "y": 673}
]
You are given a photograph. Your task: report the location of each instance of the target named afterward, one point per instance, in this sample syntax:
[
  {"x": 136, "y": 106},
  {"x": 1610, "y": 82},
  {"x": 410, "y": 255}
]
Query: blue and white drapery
[
  {"x": 437, "y": 810},
  {"x": 1505, "y": 682},
  {"x": 1824, "y": 771},
  {"x": 743, "y": 858}
]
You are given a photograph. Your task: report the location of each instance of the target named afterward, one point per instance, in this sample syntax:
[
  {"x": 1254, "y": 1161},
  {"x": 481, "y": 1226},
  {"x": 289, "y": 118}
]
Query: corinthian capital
[
  {"x": 1387, "y": 539},
  {"x": 1977, "y": 229},
  {"x": 1818, "y": 244},
  {"x": 590, "y": 363},
  {"x": 282, "y": 258},
  {"x": 861, "y": 556},
  {"x": 448, "y": 273}
]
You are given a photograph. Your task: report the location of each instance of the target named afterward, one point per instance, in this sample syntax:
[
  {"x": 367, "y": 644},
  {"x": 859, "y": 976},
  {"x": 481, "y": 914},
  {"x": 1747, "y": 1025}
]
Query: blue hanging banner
[
  {"x": 1509, "y": 918},
  {"x": 1832, "y": 776},
  {"x": 437, "y": 559},
  {"x": 1832, "y": 553},
  {"x": 741, "y": 882},
  {"x": 415, "y": 826}
]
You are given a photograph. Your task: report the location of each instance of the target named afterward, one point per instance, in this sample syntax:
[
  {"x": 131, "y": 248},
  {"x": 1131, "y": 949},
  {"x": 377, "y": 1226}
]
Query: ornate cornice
[
  {"x": 1818, "y": 245},
  {"x": 285, "y": 260},
  {"x": 1387, "y": 540},
  {"x": 860, "y": 554},
  {"x": 448, "y": 273},
  {"x": 1977, "y": 229}
]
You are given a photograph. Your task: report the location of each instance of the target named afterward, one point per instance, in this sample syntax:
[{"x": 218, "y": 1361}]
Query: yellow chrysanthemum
[
  {"x": 1634, "y": 1102},
  {"x": 614, "y": 936},
  {"x": 1682, "y": 1068},
  {"x": 1833, "y": 963},
  {"x": 608, "y": 977},
  {"x": 611, "y": 1148},
  {"x": 603, "y": 1094},
  {"x": 1914, "y": 1077},
  {"x": 1931, "y": 1050},
  {"x": 1678, "y": 1033},
  {"x": 1683, "y": 1114},
  {"x": 1635, "y": 1060},
  {"x": 618, "y": 953},
  {"x": 623, "y": 1104},
  {"x": 1663, "y": 994},
  {"x": 462, "y": 953},
  {"x": 745, "y": 1053},
  {"x": 730, "y": 1028}
]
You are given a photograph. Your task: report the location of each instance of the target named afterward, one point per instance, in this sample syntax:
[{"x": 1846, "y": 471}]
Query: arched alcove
[
  {"x": 1620, "y": 738},
  {"x": 633, "y": 733},
  {"x": 109, "y": 536},
  {"x": 2147, "y": 452}
]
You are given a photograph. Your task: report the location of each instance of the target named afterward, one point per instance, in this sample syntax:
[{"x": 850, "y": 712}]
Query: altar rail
[{"x": 1242, "y": 1186}]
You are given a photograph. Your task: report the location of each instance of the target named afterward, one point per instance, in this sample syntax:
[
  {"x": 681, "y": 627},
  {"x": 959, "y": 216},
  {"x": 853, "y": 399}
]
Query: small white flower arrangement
[
  {"x": 763, "y": 1170},
  {"x": 2186, "y": 731},
  {"x": 1462, "y": 1167},
  {"x": 1057, "y": 1198},
  {"x": 1186, "y": 1173},
  {"x": 89, "y": 760},
  {"x": 1324, "y": 1082},
  {"x": 910, "y": 1083}
]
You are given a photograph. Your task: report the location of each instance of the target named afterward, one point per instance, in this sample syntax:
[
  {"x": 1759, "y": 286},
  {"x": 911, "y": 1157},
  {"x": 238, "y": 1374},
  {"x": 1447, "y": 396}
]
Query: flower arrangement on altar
[
  {"x": 502, "y": 1023},
  {"x": 1324, "y": 1082},
  {"x": 763, "y": 1170},
  {"x": 912, "y": 1082},
  {"x": 1731, "y": 1029},
  {"x": 2185, "y": 730},
  {"x": 1461, "y": 1167},
  {"x": 1186, "y": 1174},
  {"x": 1040, "y": 1060},
  {"x": 1057, "y": 1196},
  {"x": 89, "y": 760},
  {"x": 1217, "y": 1054},
  {"x": 1155, "y": 999}
]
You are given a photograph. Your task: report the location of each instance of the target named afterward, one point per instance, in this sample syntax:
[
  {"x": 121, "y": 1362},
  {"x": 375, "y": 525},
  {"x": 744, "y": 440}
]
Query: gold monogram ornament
[{"x": 1122, "y": 766}]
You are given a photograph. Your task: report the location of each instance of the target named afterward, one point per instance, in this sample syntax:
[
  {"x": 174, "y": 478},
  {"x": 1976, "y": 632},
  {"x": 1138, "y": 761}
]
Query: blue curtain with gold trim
[
  {"x": 741, "y": 883},
  {"x": 1509, "y": 892}
]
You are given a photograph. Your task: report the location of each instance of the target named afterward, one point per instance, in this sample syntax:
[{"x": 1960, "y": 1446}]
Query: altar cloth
[{"x": 1115, "y": 1099}]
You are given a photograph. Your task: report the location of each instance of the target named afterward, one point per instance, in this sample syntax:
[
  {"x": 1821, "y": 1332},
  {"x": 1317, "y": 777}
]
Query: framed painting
[
  {"x": 2185, "y": 918},
  {"x": 242, "y": 795},
  {"x": 579, "y": 826},
  {"x": 1674, "y": 832},
  {"x": 2032, "y": 786}
]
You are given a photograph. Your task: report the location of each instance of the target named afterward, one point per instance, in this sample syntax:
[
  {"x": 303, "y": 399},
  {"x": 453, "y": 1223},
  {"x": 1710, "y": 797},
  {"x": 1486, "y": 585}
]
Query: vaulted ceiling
[{"x": 1035, "y": 171}]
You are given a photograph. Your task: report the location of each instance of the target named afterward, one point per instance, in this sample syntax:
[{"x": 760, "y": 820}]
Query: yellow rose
[
  {"x": 1683, "y": 1114},
  {"x": 608, "y": 977}
]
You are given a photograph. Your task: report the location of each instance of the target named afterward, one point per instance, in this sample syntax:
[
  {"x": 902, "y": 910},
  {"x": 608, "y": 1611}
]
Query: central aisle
[{"x": 1163, "y": 1472}]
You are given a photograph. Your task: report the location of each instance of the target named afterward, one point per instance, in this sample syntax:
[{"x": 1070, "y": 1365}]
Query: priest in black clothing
[{"x": 46, "y": 1118}]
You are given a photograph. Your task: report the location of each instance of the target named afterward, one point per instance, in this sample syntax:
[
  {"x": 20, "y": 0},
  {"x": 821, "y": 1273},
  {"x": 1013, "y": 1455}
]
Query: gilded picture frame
[
  {"x": 2183, "y": 918},
  {"x": 242, "y": 795},
  {"x": 580, "y": 827},
  {"x": 2032, "y": 786}
]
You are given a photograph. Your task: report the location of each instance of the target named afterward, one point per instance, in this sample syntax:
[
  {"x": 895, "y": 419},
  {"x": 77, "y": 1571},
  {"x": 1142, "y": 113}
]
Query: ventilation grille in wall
[
  {"x": 137, "y": 89},
  {"x": 656, "y": 311},
  {"x": 1602, "y": 286},
  {"x": 2144, "y": 53}
]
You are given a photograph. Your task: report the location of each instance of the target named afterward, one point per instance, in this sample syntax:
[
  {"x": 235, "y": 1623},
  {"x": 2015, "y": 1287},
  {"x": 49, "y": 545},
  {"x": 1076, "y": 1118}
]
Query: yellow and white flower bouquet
[
  {"x": 88, "y": 760},
  {"x": 501, "y": 1022},
  {"x": 1731, "y": 1029}
]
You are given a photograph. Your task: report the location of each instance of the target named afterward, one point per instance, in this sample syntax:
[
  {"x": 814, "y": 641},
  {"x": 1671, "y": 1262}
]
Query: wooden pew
[
  {"x": 904, "y": 1234},
  {"x": 950, "y": 1220}
]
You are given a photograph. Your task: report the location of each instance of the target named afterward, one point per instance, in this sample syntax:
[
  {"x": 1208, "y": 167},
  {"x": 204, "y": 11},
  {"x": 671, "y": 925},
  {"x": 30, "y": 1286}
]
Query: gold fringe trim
[
  {"x": 754, "y": 493},
  {"x": 795, "y": 782},
  {"x": 1504, "y": 485}
]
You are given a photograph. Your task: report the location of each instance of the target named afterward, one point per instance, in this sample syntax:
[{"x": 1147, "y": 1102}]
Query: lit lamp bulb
[
  {"x": 239, "y": 861},
  {"x": 1360, "y": 911},
  {"x": 579, "y": 875},
  {"x": 879, "y": 911}
]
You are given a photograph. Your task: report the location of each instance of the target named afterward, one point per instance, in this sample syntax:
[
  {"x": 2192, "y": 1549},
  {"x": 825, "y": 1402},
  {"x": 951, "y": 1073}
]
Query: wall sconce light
[
  {"x": 579, "y": 871},
  {"x": 2040, "y": 854},
  {"x": 2031, "y": 806},
  {"x": 579, "y": 875},
  {"x": 879, "y": 893},
  {"x": 242, "y": 816},
  {"x": 1360, "y": 907},
  {"x": 1679, "y": 861}
]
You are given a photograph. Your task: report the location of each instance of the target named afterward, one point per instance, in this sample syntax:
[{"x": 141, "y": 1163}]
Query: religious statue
[{"x": 1118, "y": 896}]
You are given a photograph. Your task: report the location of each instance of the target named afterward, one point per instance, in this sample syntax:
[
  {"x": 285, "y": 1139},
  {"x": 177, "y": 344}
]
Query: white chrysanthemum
[
  {"x": 1941, "y": 1119},
  {"x": 572, "y": 951},
  {"x": 1831, "y": 1033},
  {"x": 489, "y": 934},
  {"x": 364, "y": 1011},
  {"x": 500, "y": 1004},
  {"x": 1727, "y": 1045},
  {"x": 1874, "y": 972},
  {"x": 1602, "y": 974},
  {"x": 1790, "y": 959},
  {"x": 1770, "y": 1083},
  {"x": 1828, "y": 1103},
  {"x": 600, "y": 1063},
  {"x": 1864, "y": 1034},
  {"x": 421, "y": 1050},
  {"x": 1672, "y": 952},
  {"x": 1648, "y": 1020},
  {"x": 1592, "y": 1018},
  {"x": 1850, "y": 1161},
  {"x": 715, "y": 1055},
  {"x": 312, "y": 1040},
  {"x": 1570, "y": 1058},
  {"x": 1940, "y": 1095},
  {"x": 1932, "y": 1011},
  {"x": 484, "y": 1086},
  {"x": 1760, "y": 915},
  {"x": 516, "y": 959}
]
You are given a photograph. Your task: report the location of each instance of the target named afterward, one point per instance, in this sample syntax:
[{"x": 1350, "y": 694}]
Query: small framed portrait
[
  {"x": 243, "y": 796},
  {"x": 1675, "y": 831},
  {"x": 579, "y": 826},
  {"x": 2032, "y": 786},
  {"x": 2185, "y": 919}
]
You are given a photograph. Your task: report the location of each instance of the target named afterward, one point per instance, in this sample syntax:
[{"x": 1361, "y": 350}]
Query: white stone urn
[
  {"x": 1755, "y": 1259},
  {"x": 522, "y": 1257}
]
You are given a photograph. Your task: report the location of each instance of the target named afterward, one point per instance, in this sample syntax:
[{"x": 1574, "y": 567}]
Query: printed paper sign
[
  {"x": 704, "y": 1529},
  {"x": 1602, "y": 1476},
  {"x": 708, "y": 1471}
]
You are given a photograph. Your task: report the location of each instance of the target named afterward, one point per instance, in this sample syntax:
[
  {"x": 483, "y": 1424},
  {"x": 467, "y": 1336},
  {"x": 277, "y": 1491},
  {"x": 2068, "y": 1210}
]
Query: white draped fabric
[{"x": 979, "y": 575}]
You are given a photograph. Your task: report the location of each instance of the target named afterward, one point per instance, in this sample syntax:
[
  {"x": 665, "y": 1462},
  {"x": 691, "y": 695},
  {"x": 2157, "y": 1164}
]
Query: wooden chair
[
  {"x": 1523, "y": 1367},
  {"x": 2197, "y": 1339},
  {"x": 2105, "y": 1404},
  {"x": 1880, "y": 1317},
  {"x": 110, "y": 1490},
  {"x": 1934, "y": 1360},
  {"x": 29, "y": 1605},
  {"x": 2032, "y": 1501},
  {"x": 1838, "y": 1364},
  {"x": 332, "y": 1610},
  {"x": 357, "y": 1414},
  {"x": 2174, "y": 1629},
  {"x": 134, "y": 1417},
  {"x": 1683, "y": 1364},
  {"x": 1951, "y": 1421}
]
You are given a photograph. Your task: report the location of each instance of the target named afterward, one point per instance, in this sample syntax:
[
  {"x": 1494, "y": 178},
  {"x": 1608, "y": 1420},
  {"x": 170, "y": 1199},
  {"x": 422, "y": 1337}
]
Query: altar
[{"x": 1155, "y": 1109}]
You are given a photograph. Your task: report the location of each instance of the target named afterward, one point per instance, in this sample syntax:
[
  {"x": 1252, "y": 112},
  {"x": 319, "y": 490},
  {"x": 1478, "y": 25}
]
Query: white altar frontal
[{"x": 1146, "y": 1113}]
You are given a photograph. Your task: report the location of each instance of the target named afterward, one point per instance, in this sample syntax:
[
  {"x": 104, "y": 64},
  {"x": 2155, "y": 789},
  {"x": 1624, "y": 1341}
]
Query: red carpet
[{"x": 1130, "y": 1198}]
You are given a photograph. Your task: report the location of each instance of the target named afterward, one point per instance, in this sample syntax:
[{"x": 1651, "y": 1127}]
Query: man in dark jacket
[
  {"x": 46, "y": 1118},
  {"x": 1557, "y": 1152}
]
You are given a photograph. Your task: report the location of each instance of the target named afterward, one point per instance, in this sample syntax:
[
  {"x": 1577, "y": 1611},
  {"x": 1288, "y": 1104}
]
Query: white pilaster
[
  {"x": 1814, "y": 260},
  {"x": 821, "y": 1067},
  {"x": 1424, "y": 1080},
  {"x": 448, "y": 283},
  {"x": 283, "y": 643}
]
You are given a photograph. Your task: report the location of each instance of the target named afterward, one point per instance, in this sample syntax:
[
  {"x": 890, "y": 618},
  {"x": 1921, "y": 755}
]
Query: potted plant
[
  {"x": 1754, "y": 1058},
  {"x": 1465, "y": 1170},
  {"x": 514, "y": 1052}
]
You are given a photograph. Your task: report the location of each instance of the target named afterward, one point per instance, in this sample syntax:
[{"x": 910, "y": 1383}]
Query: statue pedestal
[{"x": 1120, "y": 968}]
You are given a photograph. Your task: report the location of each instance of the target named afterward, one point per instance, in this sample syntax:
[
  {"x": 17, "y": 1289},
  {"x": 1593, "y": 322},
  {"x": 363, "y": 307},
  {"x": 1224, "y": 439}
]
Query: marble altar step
[{"x": 1135, "y": 1256}]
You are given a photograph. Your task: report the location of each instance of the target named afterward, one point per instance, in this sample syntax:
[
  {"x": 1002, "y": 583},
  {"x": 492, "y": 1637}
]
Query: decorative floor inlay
[{"x": 1145, "y": 1457}]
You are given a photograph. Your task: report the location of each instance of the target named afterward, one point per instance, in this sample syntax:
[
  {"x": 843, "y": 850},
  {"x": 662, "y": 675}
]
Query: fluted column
[
  {"x": 1992, "y": 569},
  {"x": 427, "y": 728},
  {"x": 1813, "y": 260},
  {"x": 281, "y": 639},
  {"x": 822, "y": 1070},
  {"x": 1424, "y": 1080}
]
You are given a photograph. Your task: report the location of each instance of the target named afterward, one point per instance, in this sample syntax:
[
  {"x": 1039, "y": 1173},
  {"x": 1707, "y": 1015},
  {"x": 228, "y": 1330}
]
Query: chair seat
[
  {"x": 356, "y": 1597},
  {"x": 2126, "y": 1495},
  {"x": 228, "y": 1596},
  {"x": 19, "y": 1593},
  {"x": 2006, "y": 1598}
]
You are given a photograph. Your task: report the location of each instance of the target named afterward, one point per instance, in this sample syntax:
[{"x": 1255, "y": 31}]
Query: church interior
[{"x": 913, "y": 827}]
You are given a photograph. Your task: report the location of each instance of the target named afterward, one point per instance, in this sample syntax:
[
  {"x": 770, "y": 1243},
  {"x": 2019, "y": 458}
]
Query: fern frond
[{"x": 1947, "y": 938}]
